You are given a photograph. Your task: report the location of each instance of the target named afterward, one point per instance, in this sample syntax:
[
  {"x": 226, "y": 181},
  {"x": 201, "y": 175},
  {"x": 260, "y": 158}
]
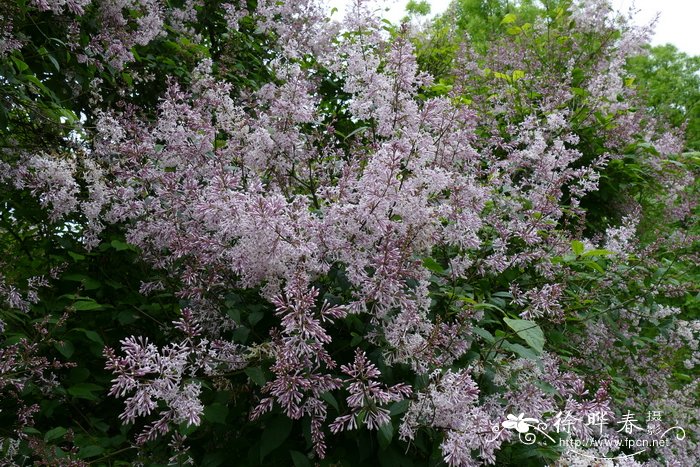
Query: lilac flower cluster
[
  {"x": 23, "y": 367},
  {"x": 300, "y": 358},
  {"x": 367, "y": 395},
  {"x": 169, "y": 375}
]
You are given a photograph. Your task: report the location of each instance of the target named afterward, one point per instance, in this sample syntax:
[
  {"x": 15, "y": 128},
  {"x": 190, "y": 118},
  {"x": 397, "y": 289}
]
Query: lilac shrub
[{"x": 451, "y": 227}]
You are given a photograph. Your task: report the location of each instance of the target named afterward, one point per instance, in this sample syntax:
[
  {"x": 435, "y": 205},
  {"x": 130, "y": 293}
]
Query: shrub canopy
[{"x": 240, "y": 230}]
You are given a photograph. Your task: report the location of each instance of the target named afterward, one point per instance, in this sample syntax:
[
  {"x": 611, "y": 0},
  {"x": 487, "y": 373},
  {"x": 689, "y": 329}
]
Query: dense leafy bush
[{"x": 243, "y": 233}]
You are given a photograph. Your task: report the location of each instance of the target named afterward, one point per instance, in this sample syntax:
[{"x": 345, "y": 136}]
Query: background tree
[{"x": 669, "y": 81}]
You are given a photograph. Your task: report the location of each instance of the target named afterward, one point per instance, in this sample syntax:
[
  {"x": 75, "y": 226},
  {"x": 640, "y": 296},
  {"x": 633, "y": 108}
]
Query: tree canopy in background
[
  {"x": 242, "y": 232},
  {"x": 669, "y": 82},
  {"x": 668, "y": 79}
]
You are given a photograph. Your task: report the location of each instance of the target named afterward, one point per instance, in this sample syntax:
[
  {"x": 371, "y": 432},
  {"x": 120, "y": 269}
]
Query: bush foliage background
[{"x": 238, "y": 230}]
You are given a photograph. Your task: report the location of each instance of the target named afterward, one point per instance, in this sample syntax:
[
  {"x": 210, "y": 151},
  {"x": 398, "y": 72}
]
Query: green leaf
[
  {"x": 90, "y": 451},
  {"x": 92, "y": 335},
  {"x": 35, "y": 81},
  {"x": 356, "y": 339},
  {"x": 682, "y": 377},
  {"x": 88, "y": 282},
  {"x": 240, "y": 334},
  {"x": 65, "y": 347},
  {"x": 520, "y": 350},
  {"x": 274, "y": 435},
  {"x": 128, "y": 79},
  {"x": 356, "y": 131},
  {"x": 84, "y": 391},
  {"x": 76, "y": 256},
  {"x": 85, "y": 305},
  {"x": 509, "y": 18},
  {"x": 331, "y": 400},
  {"x": 21, "y": 66},
  {"x": 91, "y": 284},
  {"x": 528, "y": 331},
  {"x": 255, "y": 317},
  {"x": 502, "y": 294},
  {"x": 299, "y": 459},
  {"x": 432, "y": 265},
  {"x": 490, "y": 306},
  {"x": 399, "y": 407},
  {"x": 546, "y": 387},
  {"x": 53, "y": 61},
  {"x": 120, "y": 246},
  {"x": 126, "y": 317},
  {"x": 216, "y": 413},
  {"x": 234, "y": 314},
  {"x": 384, "y": 434},
  {"x": 55, "y": 433},
  {"x": 598, "y": 252},
  {"x": 487, "y": 336},
  {"x": 256, "y": 375},
  {"x": 595, "y": 266},
  {"x": 577, "y": 247}
]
